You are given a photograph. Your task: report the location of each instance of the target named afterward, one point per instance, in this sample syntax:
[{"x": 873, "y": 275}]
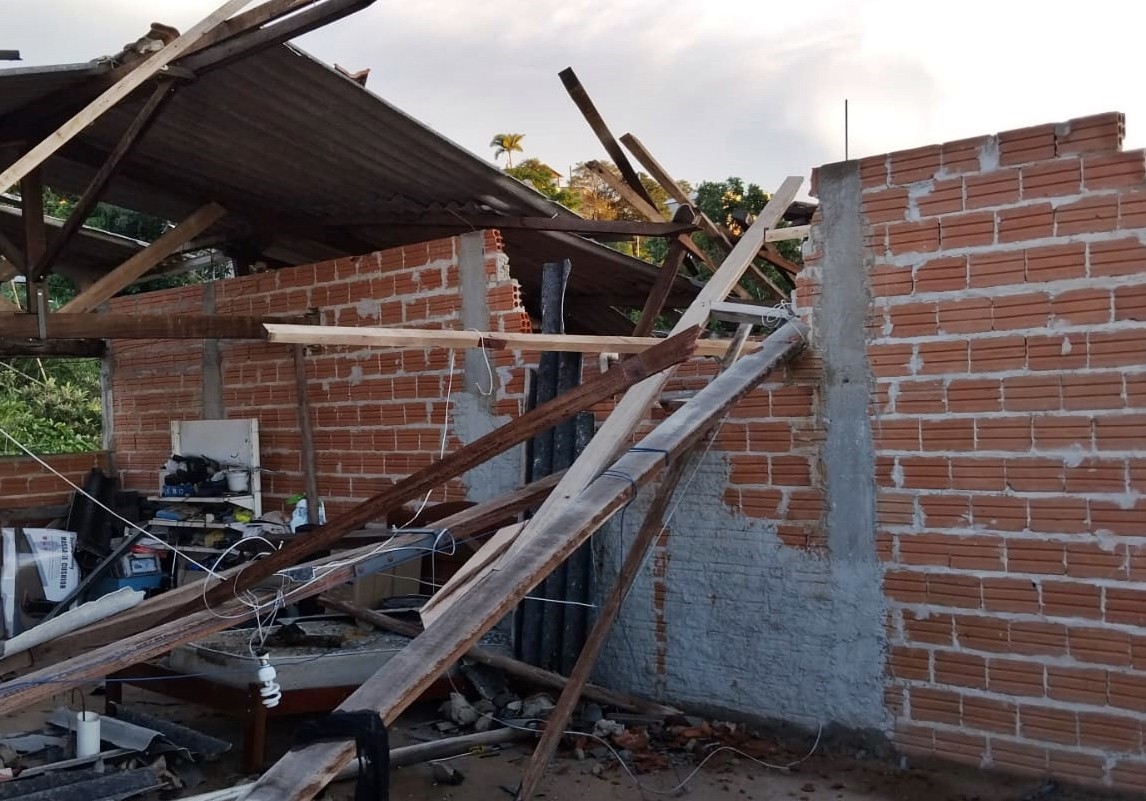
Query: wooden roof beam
[
  {"x": 597, "y": 229},
  {"x": 589, "y": 111},
  {"x": 24, "y": 326},
  {"x": 99, "y": 182},
  {"x": 199, "y": 221},
  {"x": 434, "y": 338}
]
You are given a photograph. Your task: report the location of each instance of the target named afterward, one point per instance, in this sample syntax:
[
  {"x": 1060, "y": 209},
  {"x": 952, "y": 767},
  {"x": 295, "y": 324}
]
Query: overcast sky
[{"x": 714, "y": 88}]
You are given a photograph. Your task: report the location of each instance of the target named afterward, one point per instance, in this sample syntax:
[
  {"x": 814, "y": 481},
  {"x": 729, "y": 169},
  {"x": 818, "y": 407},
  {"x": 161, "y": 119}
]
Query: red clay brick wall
[
  {"x": 1008, "y": 340},
  {"x": 24, "y": 482},
  {"x": 377, "y": 413}
]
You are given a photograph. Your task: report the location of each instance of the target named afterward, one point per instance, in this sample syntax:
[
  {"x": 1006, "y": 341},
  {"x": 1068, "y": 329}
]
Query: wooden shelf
[
  {"x": 155, "y": 521},
  {"x": 245, "y": 501}
]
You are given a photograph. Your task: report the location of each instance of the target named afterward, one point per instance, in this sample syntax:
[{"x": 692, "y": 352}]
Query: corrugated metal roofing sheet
[{"x": 288, "y": 144}]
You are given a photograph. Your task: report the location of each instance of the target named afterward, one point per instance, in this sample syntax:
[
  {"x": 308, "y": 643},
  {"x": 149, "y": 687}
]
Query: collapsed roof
[{"x": 310, "y": 166}]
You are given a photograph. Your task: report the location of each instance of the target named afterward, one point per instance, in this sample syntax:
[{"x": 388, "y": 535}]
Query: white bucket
[
  {"x": 238, "y": 480},
  {"x": 87, "y": 734}
]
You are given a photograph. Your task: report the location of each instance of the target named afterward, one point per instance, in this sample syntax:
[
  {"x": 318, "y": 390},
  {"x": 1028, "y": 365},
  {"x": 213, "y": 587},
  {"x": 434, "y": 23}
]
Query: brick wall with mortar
[
  {"x": 25, "y": 483},
  {"x": 1002, "y": 288},
  {"x": 1006, "y": 337},
  {"x": 378, "y": 414}
]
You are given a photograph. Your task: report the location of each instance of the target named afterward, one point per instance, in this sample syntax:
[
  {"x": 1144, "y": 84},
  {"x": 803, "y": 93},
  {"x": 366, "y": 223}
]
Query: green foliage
[
  {"x": 51, "y": 406},
  {"x": 599, "y": 201},
  {"x": 507, "y": 144},
  {"x": 728, "y": 202},
  {"x": 544, "y": 179},
  {"x": 106, "y": 217}
]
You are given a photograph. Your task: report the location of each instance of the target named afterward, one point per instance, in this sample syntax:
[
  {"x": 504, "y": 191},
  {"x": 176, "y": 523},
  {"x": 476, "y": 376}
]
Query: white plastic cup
[{"x": 87, "y": 734}]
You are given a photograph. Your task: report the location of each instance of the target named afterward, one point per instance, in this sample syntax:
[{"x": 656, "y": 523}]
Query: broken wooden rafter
[
  {"x": 498, "y": 661},
  {"x": 140, "y": 326},
  {"x": 434, "y": 338},
  {"x": 103, "y": 176},
  {"x": 139, "y": 264},
  {"x": 596, "y": 122},
  {"x": 717, "y": 232},
  {"x": 662, "y": 287},
  {"x": 302, "y": 773},
  {"x": 645, "y": 208},
  {"x": 117, "y": 92},
  {"x": 653, "y": 361},
  {"x": 621, "y": 424}
]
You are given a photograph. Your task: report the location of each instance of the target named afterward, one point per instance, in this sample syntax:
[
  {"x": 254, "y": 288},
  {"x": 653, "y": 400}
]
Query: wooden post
[
  {"x": 589, "y": 111},
  {"x": 35, "y": 235},
  {"x": 309, "y": 462}
]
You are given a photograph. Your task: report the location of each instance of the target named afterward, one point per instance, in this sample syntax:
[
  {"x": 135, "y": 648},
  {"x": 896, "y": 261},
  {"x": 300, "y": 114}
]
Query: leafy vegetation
[
  {"x": 53, "y": 405},
  {"x": 50, "y": 405},
  {"x": 506, "y": 144}
]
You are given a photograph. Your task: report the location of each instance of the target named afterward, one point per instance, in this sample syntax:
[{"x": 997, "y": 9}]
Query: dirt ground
[{"x": 823, "y": 777}]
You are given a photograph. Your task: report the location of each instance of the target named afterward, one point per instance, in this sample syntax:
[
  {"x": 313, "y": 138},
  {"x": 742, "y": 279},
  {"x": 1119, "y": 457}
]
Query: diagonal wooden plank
[
  {"x": 662, "y": 287},
  {"x": 99, "y": 182},
  {"x": 668, "y": 353},
  {"x": 619, "y": 426},
  {"x": 606, "y": 616},
  {"x": 130, "y": 82},
  {"x": 304, "y": 772},
  {"x": 597, "y": 123},
  {"x": 199, "y": 221}
]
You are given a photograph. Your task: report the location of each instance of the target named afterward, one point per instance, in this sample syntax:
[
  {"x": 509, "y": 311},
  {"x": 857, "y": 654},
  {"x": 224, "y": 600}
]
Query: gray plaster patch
[
  {"x": 752, "y": 624},
  {"x": 471, "y": 419}
]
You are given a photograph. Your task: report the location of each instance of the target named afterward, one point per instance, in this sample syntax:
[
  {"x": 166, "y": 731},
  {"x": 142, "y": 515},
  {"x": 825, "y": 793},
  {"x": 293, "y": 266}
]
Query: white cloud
[{"x": 717, "y": 88}]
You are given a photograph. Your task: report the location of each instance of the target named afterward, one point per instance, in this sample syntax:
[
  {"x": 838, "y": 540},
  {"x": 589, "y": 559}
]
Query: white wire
[
  {"x": 445, "y": 437},
  {"x": 488, "y": 368},
  {"x": 102, "y": 505}
]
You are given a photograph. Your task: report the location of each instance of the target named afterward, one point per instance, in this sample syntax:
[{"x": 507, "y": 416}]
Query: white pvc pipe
[{"x": 87, "y": 734}]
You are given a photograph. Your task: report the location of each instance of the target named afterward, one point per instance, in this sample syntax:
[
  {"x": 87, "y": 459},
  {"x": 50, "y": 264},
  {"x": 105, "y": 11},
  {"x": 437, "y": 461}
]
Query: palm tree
[{"x": 507, "y": 143}]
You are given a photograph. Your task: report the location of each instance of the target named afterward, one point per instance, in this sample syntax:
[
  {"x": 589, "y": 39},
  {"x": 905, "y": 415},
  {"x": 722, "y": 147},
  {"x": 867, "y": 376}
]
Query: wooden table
[{"x": 243, "y": 703}]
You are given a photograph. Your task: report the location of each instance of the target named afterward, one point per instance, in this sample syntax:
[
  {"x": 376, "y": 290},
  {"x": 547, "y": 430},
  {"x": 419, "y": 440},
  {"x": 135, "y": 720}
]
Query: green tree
[
  {"x": 599, "y": 201},
  {"x": 730, "y": 203},
  {"x": 54, "y": 405},
  {"x": 544, "y": 179},
  {"x": 507, "y": 144}
]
